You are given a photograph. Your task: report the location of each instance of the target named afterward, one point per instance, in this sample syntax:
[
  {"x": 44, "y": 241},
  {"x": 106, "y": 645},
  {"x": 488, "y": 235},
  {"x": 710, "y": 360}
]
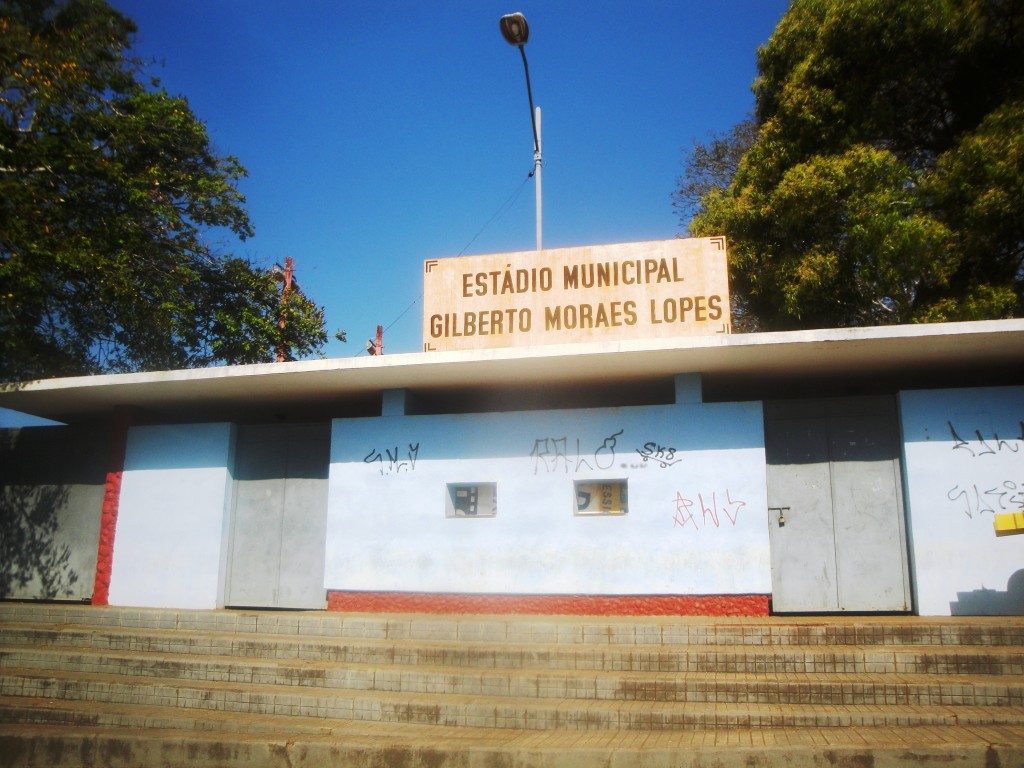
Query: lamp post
[{"x": 516, "y": 32}]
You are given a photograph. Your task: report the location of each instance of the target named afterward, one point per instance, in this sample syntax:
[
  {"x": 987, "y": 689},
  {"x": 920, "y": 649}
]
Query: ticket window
[
  {"x": 600, "y": 497},
  {"x": 471, "y": 500}
]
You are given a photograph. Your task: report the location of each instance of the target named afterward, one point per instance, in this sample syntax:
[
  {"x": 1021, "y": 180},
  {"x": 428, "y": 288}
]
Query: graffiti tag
[
  {"x": 551, "y": 454},
  {"x": 713, "y": 510},
  {"x": 1007, "y": 496},
  {"x": 392, "y": 461},
  {"x": 662, "y": 455},
  {"x": 986, "y": 446}
]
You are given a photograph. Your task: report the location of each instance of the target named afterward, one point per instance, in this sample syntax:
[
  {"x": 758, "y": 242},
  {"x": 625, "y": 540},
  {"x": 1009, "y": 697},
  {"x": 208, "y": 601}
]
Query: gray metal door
[
  {"x": 836, "y": 523},
  {"x": 279, "y": 518}
]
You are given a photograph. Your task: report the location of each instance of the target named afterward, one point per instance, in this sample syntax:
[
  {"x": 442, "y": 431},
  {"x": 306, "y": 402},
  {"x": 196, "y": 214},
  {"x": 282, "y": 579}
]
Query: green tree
[
  {"x": 885, "y": 183},
  {"x": 711, "y": 165},
  {"x": 107, "y": 187}
]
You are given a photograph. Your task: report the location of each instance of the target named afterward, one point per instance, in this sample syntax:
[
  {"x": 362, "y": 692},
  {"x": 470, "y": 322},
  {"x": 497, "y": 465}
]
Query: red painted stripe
[
  {"x": 111, "y": 503},
  {"x": 569, "y": 605}
]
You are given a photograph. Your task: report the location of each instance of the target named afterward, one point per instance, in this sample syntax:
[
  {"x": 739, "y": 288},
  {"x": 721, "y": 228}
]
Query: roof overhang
[{"x": 889, "y": 351}]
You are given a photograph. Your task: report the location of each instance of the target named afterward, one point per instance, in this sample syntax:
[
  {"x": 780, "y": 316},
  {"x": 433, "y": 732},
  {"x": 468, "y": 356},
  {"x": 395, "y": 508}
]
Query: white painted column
[{"x": 175, "y": 494}]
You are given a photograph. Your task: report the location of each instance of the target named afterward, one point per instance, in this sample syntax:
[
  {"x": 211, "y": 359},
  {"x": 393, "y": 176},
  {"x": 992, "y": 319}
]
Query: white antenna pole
[{"x": 536, "y": 177}]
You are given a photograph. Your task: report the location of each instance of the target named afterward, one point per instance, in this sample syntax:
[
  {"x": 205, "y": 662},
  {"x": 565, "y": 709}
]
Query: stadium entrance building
[{"x": 580, "y": 434}]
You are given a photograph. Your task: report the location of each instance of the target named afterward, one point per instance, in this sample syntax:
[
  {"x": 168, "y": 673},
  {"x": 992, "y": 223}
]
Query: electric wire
[{"x": 501, "y": 209}]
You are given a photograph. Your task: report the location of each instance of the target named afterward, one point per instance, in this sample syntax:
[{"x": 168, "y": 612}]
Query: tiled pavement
[{"x": 98, "y": 686}]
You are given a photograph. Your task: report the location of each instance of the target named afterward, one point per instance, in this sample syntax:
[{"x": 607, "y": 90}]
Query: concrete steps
[{"x": 584, "y": 687}]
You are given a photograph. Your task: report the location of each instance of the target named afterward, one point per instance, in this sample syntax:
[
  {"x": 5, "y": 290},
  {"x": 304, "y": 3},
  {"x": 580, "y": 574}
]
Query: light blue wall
[
  {"x": 963, "y": 463},
  {"x": 170, "y": 538},
  {"x": 696, "y": 521}
]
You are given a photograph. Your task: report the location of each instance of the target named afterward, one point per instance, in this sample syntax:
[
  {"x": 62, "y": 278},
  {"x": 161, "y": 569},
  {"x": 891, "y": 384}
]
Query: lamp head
[{"x": 514, "y": 28}]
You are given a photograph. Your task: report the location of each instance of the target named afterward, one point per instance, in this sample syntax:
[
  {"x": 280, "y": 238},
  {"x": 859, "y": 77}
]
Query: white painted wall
[
  {"x": 170, "y": 526},
  {"x": 696, "y": 526},
  {"x": 964, "y": 462}
]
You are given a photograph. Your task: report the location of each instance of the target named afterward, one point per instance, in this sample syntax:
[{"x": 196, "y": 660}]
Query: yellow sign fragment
[{"x": 1009, "y": 523}]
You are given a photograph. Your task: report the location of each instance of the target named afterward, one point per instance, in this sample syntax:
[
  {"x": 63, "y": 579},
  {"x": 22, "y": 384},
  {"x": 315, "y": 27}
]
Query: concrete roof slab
[{"x": 829, "y": 353}]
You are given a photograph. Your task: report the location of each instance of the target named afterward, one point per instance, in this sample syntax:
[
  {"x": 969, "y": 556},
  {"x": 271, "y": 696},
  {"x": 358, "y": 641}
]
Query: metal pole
[
  {"x": 529, "y": 95},
  {"x": 535, "y": 121},
  {"x": 536, "y": 173}
]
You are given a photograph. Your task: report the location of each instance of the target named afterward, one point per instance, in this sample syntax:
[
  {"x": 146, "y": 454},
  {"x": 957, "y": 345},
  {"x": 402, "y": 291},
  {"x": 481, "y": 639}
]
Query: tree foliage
[
  {"x": 711, "y": 166},
  {"x": 885, "y": 183},
  {"x": 108, "y": 185}
]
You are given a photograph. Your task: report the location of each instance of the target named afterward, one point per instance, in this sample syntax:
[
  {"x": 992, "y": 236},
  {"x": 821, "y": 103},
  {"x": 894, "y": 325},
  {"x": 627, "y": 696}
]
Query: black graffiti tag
[
  {"x": 396, "y": 462},
  {"x": 663, "y": 456}
]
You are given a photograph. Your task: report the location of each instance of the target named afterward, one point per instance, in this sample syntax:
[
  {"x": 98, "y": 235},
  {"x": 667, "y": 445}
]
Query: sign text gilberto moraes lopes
[{"x": 593, "y": 293}]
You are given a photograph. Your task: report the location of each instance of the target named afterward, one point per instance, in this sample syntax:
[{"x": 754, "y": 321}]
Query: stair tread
[
  {"x": 511, "y": 646},
  {"x": 297, "y": 728},
  {"x": 815, "y": 677},
  {"x": 206, "y": 719},
  {"x": 315, "y": 623},
  {"x": 504, "y": 702},
  {"x": 438, "y": 737}
]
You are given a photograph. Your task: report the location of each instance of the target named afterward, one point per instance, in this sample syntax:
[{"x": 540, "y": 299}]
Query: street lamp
[{"x": 516, "y": 32}]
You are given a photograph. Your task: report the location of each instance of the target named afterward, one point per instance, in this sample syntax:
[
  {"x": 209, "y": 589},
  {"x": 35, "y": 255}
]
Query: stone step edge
[
  {"x": 1012, "y": 681},
  {"x": 941, "y": 663},
  {"x": 101, "y": 715},
  {"x": 78, "y": 712},
  {"x": 22, "y": 710},
  {"x": 902, "y": 738},
  {"x": 277, "y": 623},
  {"x": 42, "y": 746},
  {"x": 508, "y": 646},
  {"x": 314, "y": 727},
  {"x": 513, "y": 706}
]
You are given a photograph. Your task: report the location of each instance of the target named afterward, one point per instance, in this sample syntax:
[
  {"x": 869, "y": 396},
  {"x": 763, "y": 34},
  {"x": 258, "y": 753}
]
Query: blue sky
[{"x": 379, "y": 134}]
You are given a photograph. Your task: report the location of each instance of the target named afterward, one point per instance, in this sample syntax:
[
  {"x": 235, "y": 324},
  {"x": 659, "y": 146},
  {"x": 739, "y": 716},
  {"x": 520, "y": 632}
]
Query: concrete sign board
[{"x": 656, "y": 289}]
